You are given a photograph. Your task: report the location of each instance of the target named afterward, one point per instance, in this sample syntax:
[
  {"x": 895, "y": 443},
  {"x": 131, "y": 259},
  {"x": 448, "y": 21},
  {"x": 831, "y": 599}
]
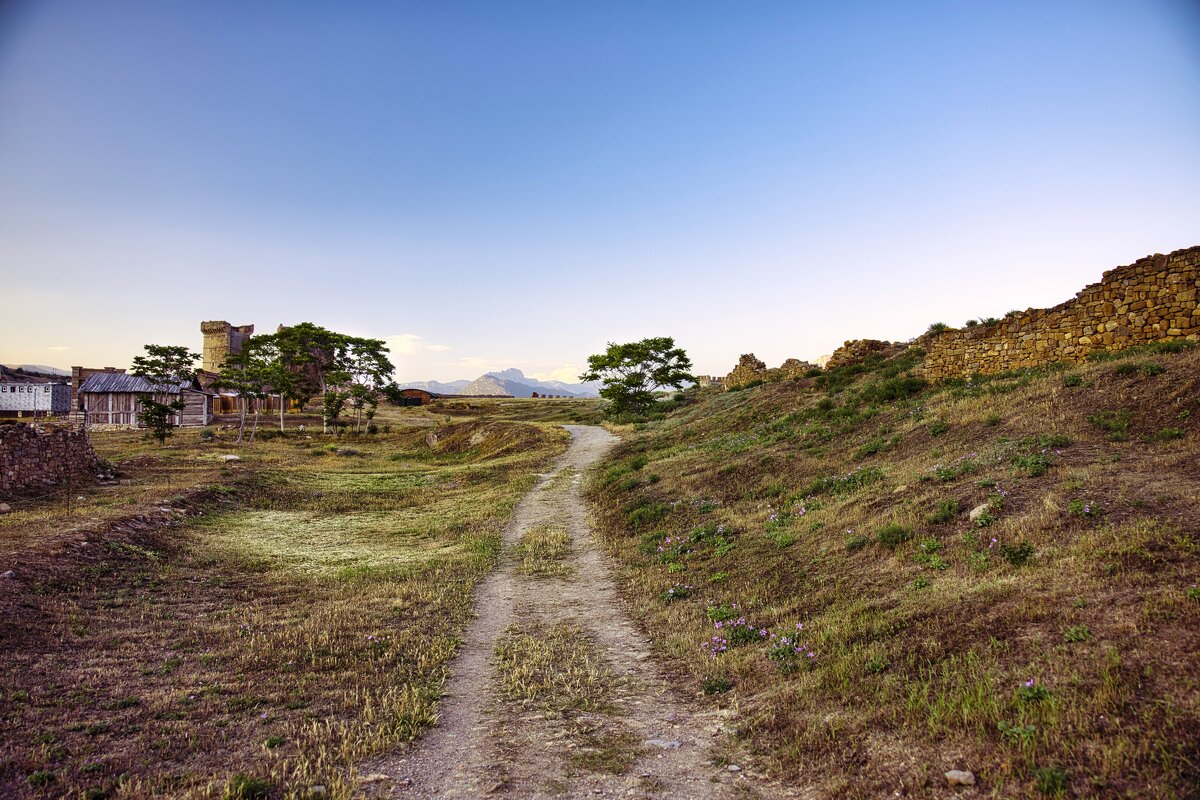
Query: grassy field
[
  {"x": 889, "y": 580},
  {"x": 252, "y": 628}
]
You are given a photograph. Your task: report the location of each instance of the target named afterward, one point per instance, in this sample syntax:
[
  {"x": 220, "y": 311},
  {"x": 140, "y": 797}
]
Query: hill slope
[{"x": 997, "y": 575}]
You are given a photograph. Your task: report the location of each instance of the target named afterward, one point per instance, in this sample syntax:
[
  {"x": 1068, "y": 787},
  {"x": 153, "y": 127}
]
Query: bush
[
  {"x": 644, "y": 511},
  {"x": 1115, "y": 422},
  {"x": 938, "y": 327},
  {"x": 893, "y": 535},
  {"x": 893, "y": 389},
  {"x": 857, "y": 542},
  {"x": 1072, "y": 379},
  {"x": 716, "y": 685},
  {"x": 1018, "y": 554},
  {"x": 938, "y": 427},
  {"x": 946, "y": 511}
]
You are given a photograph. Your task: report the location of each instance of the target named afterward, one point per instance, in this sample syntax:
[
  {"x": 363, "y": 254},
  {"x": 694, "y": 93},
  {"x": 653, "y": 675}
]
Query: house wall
[
  {"x": 120, "y": 408},
  {"x": 42, "y": 398}
]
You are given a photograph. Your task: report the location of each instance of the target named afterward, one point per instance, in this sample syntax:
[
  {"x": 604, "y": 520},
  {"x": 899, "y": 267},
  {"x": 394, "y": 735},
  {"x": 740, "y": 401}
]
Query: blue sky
[{"x": 515, "y": 184}]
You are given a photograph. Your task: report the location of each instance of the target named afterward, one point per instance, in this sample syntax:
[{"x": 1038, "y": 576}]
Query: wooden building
[{"x": 108, "y": 398}]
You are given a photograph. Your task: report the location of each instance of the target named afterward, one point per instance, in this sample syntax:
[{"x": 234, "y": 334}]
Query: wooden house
[{"x": 108, "y": 398}]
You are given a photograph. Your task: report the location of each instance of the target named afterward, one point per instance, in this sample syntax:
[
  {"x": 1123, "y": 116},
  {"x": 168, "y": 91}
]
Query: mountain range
[{"x": 510, "y": 383}]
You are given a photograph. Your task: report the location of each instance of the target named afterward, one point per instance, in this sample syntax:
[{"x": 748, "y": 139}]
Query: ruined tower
[{"x": 221, "y": 339}]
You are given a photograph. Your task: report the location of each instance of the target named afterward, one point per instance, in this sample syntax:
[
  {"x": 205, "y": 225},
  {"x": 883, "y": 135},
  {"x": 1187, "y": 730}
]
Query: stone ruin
[
  {"x": 35, "y": 458},
  {"x": 221, "y": 339},
  {"x": 750, "y": 369}
]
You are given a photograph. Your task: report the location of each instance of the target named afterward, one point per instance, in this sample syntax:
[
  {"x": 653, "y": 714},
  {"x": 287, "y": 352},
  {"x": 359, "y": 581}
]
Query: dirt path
[{"x": 640, "y": 741}]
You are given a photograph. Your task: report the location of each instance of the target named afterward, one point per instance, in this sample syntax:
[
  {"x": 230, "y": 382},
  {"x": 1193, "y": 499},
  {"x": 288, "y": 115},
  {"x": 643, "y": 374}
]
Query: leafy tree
[
  {"x": 249, "y": 372},
  {"x": 633, "y": 372},
  {"x": 333, "y": 362},
  {"x": 164, "y": 367}
]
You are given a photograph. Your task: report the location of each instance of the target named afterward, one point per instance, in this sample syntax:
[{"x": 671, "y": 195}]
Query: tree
[
  {"x": 164, "y": 367},
  {"x": 633, "y": 372},
  {"x": 332, "y": 363},
  {"x": 249, "y": 373}
]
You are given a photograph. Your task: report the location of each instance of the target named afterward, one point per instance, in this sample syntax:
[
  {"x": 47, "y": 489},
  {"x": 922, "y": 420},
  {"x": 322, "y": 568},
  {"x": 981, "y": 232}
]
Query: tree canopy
[{"x": 633, "y": 372}]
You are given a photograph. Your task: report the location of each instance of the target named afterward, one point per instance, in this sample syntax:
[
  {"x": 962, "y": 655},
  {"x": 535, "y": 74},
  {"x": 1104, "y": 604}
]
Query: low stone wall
[
  {"x": 1153, "y": 299},
  {"x": 31, "y": 458},
  {"x": 856, "y": 351}
]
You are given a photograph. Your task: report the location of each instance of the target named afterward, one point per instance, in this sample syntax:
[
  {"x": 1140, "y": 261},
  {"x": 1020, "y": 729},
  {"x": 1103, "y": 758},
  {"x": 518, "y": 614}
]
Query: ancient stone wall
[
  {"x": 33, "y": 459},
  {"x": 748, "y": 369},
  {"x": 857, "y": 350},
  {"x": 1153, "y": 299}
]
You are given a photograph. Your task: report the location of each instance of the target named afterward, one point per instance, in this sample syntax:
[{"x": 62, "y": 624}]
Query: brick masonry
[{"x": 32, "y": 458}]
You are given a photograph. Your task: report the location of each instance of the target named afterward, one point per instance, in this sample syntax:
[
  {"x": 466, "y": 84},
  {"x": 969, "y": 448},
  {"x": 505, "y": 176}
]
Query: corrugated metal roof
[{"x": 103, "y": 382}]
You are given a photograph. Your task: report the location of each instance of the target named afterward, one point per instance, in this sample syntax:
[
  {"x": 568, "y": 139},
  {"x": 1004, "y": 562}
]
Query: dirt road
[{"x": 637, "y": 740}]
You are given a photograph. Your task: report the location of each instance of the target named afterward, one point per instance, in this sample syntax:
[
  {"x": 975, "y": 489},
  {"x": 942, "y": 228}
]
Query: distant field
[
  {"x": 295, "y": 617},
  {"x": 997, "y": 575}
]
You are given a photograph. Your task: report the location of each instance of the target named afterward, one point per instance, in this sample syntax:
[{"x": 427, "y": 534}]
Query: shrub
[
  {"x": 938, "y": 327},
  {"x": 857, "y": 542},
  {"x": 894, "y": 534},
  {"x": 1115, "y": 422},
  {"x": 207, "y": 435},
  {"x": 938, "y": 427},
  {"x": 992, "y": 420},
  {"x": 716, "y": 685},
  {"x": 1084, "y": 508},
  {"x": 1018, "y": 554},
  {"x": 946, "y": 510},
  {"x": 40, "y": 778},
  {"x": 1032, "y": 465},
  {"x": 845, "y": 484},
  {"x": 722, "y": 612},
  {"x": 971, "y": 323},
  {"x": 1072, "y": 379},
  {"x": 893, "y": 389},
  {"x": 644, "y": 511},
  {"x": 1032, "y": 692},
  {"x": 875, "y": 665},
  {"x": 1168, "y": 434}
]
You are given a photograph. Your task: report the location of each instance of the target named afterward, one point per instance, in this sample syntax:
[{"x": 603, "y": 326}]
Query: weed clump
[{"x": 893, "y": 535}]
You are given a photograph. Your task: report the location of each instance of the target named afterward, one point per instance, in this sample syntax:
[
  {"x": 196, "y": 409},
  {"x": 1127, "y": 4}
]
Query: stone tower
[{"x": 221, "y": 339}]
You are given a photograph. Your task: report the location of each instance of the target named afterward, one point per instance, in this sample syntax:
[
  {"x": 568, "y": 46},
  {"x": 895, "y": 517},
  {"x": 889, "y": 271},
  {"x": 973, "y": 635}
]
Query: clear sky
[{"x": 511, "y": 183}]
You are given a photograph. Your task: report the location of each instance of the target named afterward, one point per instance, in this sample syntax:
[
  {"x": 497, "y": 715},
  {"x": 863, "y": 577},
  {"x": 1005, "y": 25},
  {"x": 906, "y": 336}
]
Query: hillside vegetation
[
  {"x": 888, "y": 580},
  {"x": 251, "y": 628}
]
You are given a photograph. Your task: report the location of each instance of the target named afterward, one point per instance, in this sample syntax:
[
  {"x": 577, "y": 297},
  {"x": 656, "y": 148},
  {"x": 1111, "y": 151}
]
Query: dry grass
[
  {"x": 543, "y": 551},
  {"x": 923, "y": 642},
  {"x": 282, "y": 628}
]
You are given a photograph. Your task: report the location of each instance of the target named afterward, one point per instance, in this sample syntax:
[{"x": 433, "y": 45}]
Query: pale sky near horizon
[{"x": 491, "y": 184}]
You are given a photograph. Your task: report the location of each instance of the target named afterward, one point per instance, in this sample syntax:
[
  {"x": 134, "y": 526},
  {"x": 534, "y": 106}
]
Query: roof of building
[{"x": 103, "y": 382}]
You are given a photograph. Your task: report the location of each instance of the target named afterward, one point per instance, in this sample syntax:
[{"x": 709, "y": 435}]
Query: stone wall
[
  {"x": 33, "y": 459},
  {"x": 221, "y": 339},
  {"x": 750, "y": 369},
  {"x": 856, "y": 351},
  {"x": 1153, "y": 299}
]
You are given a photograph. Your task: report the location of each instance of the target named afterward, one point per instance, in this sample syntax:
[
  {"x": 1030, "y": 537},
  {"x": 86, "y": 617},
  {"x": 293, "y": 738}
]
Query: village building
[
  {"x": 34, "y": 399},
  {"x": 108, "y": 398}
]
